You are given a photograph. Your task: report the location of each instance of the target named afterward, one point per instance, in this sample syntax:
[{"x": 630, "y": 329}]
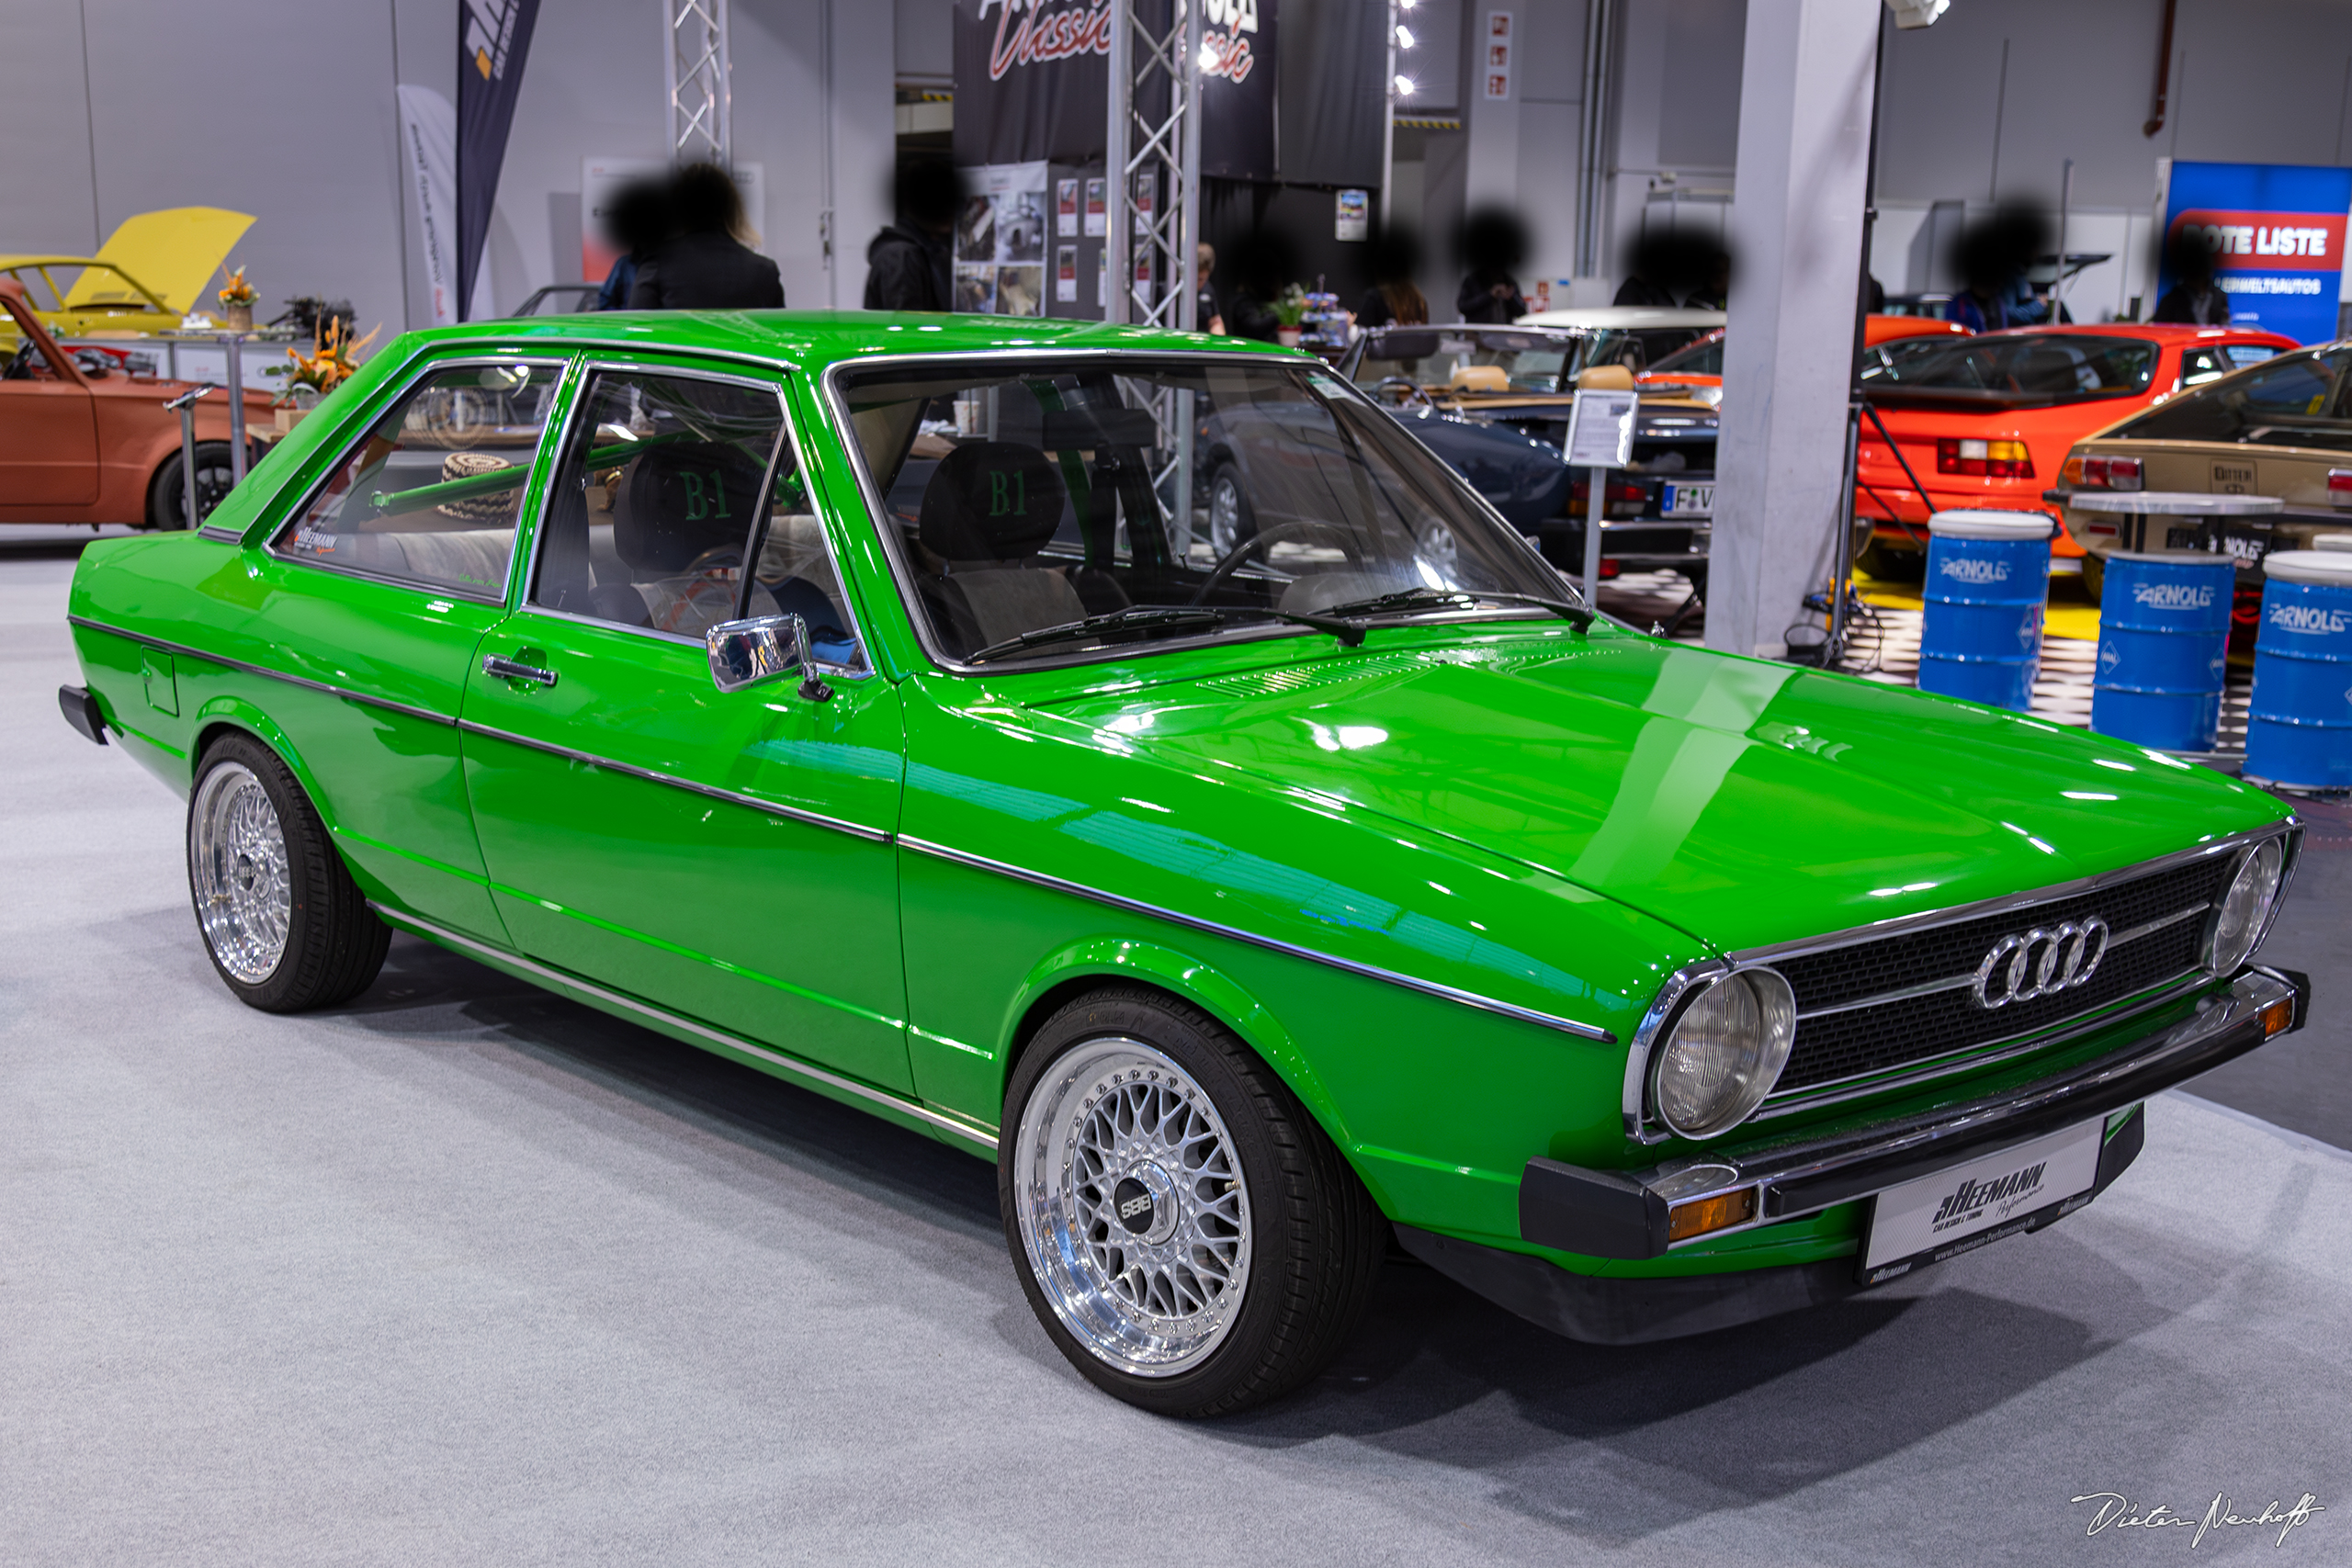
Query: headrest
[
  {"x": 1605, "y": 378},
  {"x": 1480, "y": 378},
  {"x": 677, "y": 502},
  {"x": 991, "y": 500}
]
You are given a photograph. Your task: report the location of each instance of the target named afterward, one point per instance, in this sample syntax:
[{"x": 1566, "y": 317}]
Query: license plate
[
  {"x": 1980, "y": 1201},
  {"x": 1689, "y": 500}
]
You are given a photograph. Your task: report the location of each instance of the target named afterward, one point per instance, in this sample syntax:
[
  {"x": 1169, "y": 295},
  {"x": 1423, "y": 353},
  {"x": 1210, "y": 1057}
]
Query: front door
[
  {"x": 724, "y": 855},
  {"x": 48, "y": 430}
]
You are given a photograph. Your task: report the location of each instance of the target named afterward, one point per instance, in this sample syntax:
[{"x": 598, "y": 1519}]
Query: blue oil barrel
[
  {"x": 2299, "y": 726},
  {"x": 1988, "y": 580},
  {"x": 2163, "y": 640}
]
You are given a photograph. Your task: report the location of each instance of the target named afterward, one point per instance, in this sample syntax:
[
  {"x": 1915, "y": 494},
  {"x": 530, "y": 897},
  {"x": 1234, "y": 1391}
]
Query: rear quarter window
[{"x": 2296, "y": 400}]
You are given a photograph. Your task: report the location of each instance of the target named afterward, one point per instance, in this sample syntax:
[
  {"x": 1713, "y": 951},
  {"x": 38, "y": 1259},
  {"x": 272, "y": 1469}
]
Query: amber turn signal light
[
  {"x": 1702, "y": 1215},
  {"x": 2276, "y": 1018}
]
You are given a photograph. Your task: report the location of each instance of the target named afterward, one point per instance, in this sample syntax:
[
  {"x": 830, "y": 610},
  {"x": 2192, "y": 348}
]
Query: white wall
[{"x": 287, "y": 111}]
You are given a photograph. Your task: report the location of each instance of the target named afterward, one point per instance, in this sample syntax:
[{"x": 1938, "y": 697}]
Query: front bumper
[{"x": 1624, "y": 1216}]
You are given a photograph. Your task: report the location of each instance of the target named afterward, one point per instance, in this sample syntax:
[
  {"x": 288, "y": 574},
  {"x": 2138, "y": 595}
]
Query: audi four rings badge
[{"x": 2042, "y": 962}]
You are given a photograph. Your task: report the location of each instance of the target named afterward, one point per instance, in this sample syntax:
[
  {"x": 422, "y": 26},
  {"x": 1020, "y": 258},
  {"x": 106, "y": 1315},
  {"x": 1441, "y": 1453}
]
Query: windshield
[
  {"x": 2298, "y": 400},
  {"x": 2062, "y": 367},
  {"x": 1462, "y": 360},
  {"x": 1704, "y": 357},
  {"x": 1031, "y": 495}
]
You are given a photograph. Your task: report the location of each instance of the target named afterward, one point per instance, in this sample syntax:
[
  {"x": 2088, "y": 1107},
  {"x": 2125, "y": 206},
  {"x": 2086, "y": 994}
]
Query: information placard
[{"x": 1600, "y": 429}]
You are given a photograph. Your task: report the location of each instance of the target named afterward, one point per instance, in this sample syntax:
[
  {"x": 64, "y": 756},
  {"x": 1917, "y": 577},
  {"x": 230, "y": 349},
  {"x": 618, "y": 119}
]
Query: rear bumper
[{"x": 1614, "y": 1214}]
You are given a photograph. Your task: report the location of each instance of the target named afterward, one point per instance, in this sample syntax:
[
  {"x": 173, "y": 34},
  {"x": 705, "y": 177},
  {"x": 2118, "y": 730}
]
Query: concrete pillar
[{"x": 1796, "y": 226}]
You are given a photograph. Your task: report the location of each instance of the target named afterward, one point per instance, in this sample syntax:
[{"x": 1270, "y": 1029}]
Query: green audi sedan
[{"x": 862, "y": 697}]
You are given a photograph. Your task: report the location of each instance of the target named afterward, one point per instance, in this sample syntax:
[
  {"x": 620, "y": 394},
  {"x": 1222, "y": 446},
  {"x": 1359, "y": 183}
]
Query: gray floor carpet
[{"x": 467, "y": 1274}]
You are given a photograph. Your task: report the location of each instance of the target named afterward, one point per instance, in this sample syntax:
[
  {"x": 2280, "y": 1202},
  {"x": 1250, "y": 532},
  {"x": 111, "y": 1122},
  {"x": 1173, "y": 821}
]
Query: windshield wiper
[
  {"x": 1135, "y": 617},
  {"x": 1348, "y": 632},
  {"x": 1432, "y": 598}
]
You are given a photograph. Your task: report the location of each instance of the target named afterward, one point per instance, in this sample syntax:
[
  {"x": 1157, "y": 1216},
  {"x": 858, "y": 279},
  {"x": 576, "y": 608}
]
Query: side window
[
  {"x": 2200, "y": 365},
  {"x": 430, "y": 493},
  {"x": 652, "y": 512}
]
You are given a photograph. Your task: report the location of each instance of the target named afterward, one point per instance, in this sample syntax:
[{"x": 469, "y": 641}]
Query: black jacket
[
  {"x": 1476, "y": 301},
  {"x": 905, "y": 271},
  {"x": 705, "y": 272}
]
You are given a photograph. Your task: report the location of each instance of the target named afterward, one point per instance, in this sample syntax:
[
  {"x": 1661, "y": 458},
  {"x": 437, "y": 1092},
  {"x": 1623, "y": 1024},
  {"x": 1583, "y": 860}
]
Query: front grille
[{"x": 1867, "y": 1039}]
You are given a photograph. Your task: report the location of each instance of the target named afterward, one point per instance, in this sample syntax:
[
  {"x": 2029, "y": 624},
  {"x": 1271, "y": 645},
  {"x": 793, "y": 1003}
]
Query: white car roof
[{"x": 1625, "y": 317}]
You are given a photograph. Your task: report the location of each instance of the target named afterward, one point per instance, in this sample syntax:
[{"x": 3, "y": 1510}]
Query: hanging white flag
[{"x": 429, "y": 162}]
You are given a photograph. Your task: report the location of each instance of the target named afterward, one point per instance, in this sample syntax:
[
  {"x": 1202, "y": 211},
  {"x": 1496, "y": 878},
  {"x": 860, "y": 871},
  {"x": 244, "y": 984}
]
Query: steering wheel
[
  {"x": 20, "y": 364},
  {"x": 1409, "y": 390},
  {"x": 1240, "y": 552}
]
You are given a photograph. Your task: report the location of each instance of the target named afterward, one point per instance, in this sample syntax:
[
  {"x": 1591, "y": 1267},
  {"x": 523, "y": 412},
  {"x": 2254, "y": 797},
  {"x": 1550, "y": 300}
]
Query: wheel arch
[
  {"x": 230, "y": 715},
  {"x": 1186, "y": 978}
]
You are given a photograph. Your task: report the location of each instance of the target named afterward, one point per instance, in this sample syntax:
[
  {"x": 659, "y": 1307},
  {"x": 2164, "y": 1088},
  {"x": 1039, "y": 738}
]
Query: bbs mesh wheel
[
  {"x": 286, "y": 926},
  {"x": 1185, "y": 1233}
]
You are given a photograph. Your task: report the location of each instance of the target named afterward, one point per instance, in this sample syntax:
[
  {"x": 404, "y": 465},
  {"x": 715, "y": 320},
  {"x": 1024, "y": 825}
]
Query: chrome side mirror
[{"x": 766, "y": 647}]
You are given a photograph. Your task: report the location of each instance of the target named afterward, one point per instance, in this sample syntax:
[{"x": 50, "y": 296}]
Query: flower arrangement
[
  {"x": 1290, "y": 305},
  {"x": 236, "y": 294},
  {"x": 329, "y": 362}
]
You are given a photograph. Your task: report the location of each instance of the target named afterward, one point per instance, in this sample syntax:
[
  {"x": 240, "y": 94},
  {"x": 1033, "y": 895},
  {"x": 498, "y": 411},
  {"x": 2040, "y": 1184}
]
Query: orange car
[
  {"x": 83, "y": 441},
  {"x": 1987, "y": 420},
  {"x": 1702, "y": 364}
]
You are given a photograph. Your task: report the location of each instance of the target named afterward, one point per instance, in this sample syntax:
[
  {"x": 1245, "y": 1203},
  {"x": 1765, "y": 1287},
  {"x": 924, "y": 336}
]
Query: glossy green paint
[{"x": 1303, "y": 839}]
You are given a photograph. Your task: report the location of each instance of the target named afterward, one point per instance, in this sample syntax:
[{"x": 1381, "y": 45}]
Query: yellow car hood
[{"x": 173, "y": 252}]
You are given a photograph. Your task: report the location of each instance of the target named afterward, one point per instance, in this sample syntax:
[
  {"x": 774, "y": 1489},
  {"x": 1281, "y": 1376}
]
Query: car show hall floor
[{"x": 465, "y": 1273}]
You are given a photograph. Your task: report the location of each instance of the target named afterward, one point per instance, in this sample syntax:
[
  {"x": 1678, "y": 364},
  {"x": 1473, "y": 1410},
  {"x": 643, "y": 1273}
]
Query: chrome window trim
[
  {"x": 1273, "y": 945},
  {"x": 709, "y": 792},
  {"x": 565, "y": 980},
  {"x": 1634, "y": 1108},
  {"x": 535, "y": 476},
  {"x": 901, "y": 572},
  {"x": 585, "y": 370},
  {"x": 182, "y": 650}
]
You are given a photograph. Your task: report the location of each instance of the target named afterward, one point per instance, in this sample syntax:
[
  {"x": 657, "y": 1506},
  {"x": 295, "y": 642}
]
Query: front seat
[{"x": 990, "y": 506}]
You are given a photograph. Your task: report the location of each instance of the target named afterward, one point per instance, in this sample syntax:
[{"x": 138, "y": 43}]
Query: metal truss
[
  {"x": 695, "y": 69},
  {"x": 1153, "y": 153}
]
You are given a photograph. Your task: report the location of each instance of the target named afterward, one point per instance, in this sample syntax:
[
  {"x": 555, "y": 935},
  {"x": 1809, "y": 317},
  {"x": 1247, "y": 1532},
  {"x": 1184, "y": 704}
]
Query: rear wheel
[
  {"x": 1185, "y": 1233},
  {"x": 167, "y": 491},
  {"x": 1882, "y": 562},
  {"x": 286, "y": 927}
]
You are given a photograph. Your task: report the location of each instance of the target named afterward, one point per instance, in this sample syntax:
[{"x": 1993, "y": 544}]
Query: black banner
[
  {"x": 1030, "y": 82},
  {"x": 493, "y": 37}
]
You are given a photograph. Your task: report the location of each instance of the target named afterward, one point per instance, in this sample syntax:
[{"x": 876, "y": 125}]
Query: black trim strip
[
  {"x": 753, "y": 802},
  {"x": 238, "y": 664},
  {"x": 793, "y": 1064},
  {"x": 1134, "y": 905}
]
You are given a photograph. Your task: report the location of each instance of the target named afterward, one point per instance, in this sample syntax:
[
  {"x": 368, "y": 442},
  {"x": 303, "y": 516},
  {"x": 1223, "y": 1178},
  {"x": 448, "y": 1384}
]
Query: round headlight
[
  {"x": 2245, "y": 908},
  {"x": 1724, "y": 1052}
]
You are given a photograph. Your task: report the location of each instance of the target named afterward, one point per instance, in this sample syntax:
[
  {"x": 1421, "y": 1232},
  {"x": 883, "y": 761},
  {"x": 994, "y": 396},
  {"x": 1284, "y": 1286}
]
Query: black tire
[
  {"x": 333, "y": 945},
  {"x": 167, "y": 491},
  {"x": 1314, "y": 1239},
  {"x": 1882, "y": 562},
  {"x": 2094, "y": 577}
]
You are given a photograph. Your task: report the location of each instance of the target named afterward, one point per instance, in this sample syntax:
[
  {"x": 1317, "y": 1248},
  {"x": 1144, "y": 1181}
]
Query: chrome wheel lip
[
  {"x": 240, "y": 874},
  {"x": 1063, "y": 1233}
]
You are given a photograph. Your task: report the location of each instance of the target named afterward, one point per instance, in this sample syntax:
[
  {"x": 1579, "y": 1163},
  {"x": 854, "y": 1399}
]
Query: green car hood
[{"x": 1746, "y": 802}]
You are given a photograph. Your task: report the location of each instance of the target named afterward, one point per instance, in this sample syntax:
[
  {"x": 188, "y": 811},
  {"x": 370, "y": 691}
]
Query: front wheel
[
  {"x": 1232, "y": 521},
  {"x": 286, "y": 927},
  {"x": 1185, "y": 1233}
]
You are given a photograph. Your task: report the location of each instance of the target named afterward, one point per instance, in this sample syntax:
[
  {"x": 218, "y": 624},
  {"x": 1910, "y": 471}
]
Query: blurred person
[
  {"x": 910, "y": 264},
  {"x": 2196, "y": 298},
  {"x": 1490, "y": 246},
  {"x": 1393, "y": 299},
  {"x": 634, "y": 222},
  {"x": 1210, "y": 318},
  {"x": 704, "y": 265},
  {"x": 1263, "y": 265},
  {"x": 1715, "y": 293},
  {"x": 1668, "y": 268},
  {"x": 1993, "y": 256}
]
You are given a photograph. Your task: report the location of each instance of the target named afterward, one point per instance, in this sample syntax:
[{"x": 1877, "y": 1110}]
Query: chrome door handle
[{"x": 507, "y": 669}]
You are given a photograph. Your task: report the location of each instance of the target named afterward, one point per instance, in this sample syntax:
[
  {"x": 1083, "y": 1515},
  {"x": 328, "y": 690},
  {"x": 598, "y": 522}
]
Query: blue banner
[{"x": 2276, "y": 234}]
